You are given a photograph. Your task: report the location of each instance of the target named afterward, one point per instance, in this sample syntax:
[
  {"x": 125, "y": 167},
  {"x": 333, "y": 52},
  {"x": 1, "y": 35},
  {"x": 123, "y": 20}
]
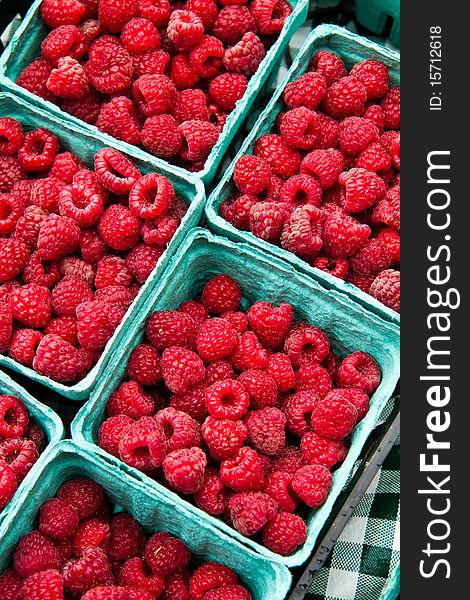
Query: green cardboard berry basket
[
  {"x": 382, "y": 17},
  {"x": 25, "y": 46},
  {"x": 154, "y": 511},
  {"x": 261, "y": 277},
  {"x": 85, "y": 144},
  {"x": 352, "y": 48},
  {"x": 43, "y": 416}
]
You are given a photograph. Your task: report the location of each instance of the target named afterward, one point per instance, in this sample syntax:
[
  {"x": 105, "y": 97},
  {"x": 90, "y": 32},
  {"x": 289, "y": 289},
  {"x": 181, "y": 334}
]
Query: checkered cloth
[{"x": 368, "y": 549}]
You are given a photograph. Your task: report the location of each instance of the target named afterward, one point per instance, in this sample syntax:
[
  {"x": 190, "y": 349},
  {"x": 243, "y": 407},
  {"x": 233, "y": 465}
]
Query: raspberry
[
  {"x": 317, "y": 450},
  {"x": 181, "y": 73},
  {"x": 21, "y": 189},
  {"x": 131, "y": 400},
  {"x": 68, "y": 79},
  {"x": 181, "y": 369},
  {"x": 180, "y": 430},
  {"x": 13, "y": 256},
  {"x": 298, "y": 410},
  {"x": 237, "y": 210},
  {"x": 302, "y": 232},
  {"x": 261, "y": 388},
  {"x": 134, "y": 574},
  {"x": 112, "y": 270},
  {"x": 166, "y": 554},
  {"x": 195, "y": 310},
  {"x": 38, "y": 150},
  {"x": 224, "y": 437},
  {"x": 46, "y": 584},
  {"x": 58, "y": 519},
  {"x": 83, "y": 494},
  {"x": 184, "y": 469},
  {"x": 140, "y": 35},
  {"x": 151, "y": 196},
  {"x": 270, "y": 15},
  {"x": 280, "y": 369},
  {"x": 45, "y": 193},
  {"x": 127, "y": 538},
  {"x": 90, "y": 570},
  {"x": 288, "y": 460},
  {"x": 267, "y": 220},
  {"x": 34, "y": 78},
  {"x": 144, "y": 365},
  {"x": 13, "y": 417},
  {"x": 390, "y": 104},
  {"x": 57, "y": 359},
  {"x": 359, "y": 399},
  {"x": 227, "y": 399},
  {"x": 11, "y": 172},
  {"x": 6, "y": 289},
  {"x": 119, "y": 119},
  {"x": 306, "y": 342},
  {"x": 160, "y": 135},
  {"x": 92, "y": 246},
  {"x": 190, "y": 105},
  {"x": 115, "y": 171},
  {"x": 8, "y": 484},
  {"x": 363, "y": 189},
  {"x": 206, "y": 10},
  {"x": 218, "y": 371},
  {"x": 331, "y": 364},
  {"x": 374, "y": 158},
  {"x": 245, "y": 56},
  {"x": 375, "y": 114},
  {"x": 237, "y": 320},
  {"x": 11, "y": 209},
  {"x": 277, "y": 485},
  {"x": 374, "y": 77},
  {"x": 391, "y": 238},
  {"x": 386, "y": 288},
  {"x": 210, "y": 576},
  {"x": 355, "y": 134},
  {"x": 327, "y": 165},
  {"x": 23, "y": 344},
  {"x": 35, "y": 552},
  {"x": 11, "y": 133},
  {"x": 283, "y": 160},
  {"x": 111, "y": 432},
  {"x": 205, "y": 59},
  {"x": 312, "y": 376},
  {"x": 58, "y": 236},
  {"x": 359, "y": 370},
  {"x": 167, "y": 328},
  {"x": 185, "y": 30},
  {"x": 176, "y": 588},
  {"x": 142, "y": 444},
  {"x": 270, "y": 323},
  {"x": 227, "y": 89},
  {"x": 329, "y": 65},
  {"x": 197, "y": 139},
  {"x": 248, "y": 353},
  {"x": 69, "y": 293},
  {"x": 252, "y": 174},
  {"x": 212, "y": 496},
  {"x": 216, "y": 339},
  {"x": 114, "y": 14},
  {"x": 10, "y": 584},
  {"x": 345, "y": 98},
  {"x": 243, "y": 473},
  {"x": 343, "y": 235},
  {"x": 307, "y": 90},
  {"x": 221, "y": 294},
  {"x": 81, "y": 201},
  {"x": 192, "y": 402},
  {"x": 150, "y": 63},
  {"x": 266, "y": 430},
  {"x": 285, "y": 533},
  {"x": 96, "y": 323},
  {"x": 68, "y": 12},
  {"x": 229, "y": 592},
  {"x": 301, "y": 128},
  {"x": 31, "y": 305},
  {"x": 337, "y": 267},
  {"x": 232, "y": 23},
  {"x": 86, "y": 109},
  {"x": 153, "y": 94},
  {"x": 19, "y": 454},
  {"x": 66, "y": 40},
  {"x": 387, "y": 210},
  {"x": 334, "y": 417},
  {"x": 112, "y": 592},
  {"x": 91, "y": 533},
  {"x": 371, "y": 258},
  {"x": 157, "y": 11},
  {"x": 142, "y": 260},
  {"x": 250, "y": 512},
  {"x": 119, "y": 227},
  {"x": 312, "y": 484}
]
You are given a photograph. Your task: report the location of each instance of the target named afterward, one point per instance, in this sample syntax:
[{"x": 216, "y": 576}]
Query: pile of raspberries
[
  {"x": 21, "y": 441},
  {"x": 244, "y": 412},
  {"x": 81, "y": 550},
  {"x": 159, "y": 74},
  {"x": 75, "y": 247},
  {"x": 326, "y": 186}
]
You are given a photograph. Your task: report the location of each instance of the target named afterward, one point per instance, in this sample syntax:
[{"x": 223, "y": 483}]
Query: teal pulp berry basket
[
  {"x": 382, "y": 17},
  {"x": 266, "y": 580},
  {"x": 85, "y": 144},
  {"x": 262, "y": 277},
  {"x": 47, "y": 420},
  {"x": 25, "y": 46},
  {"x": 352, "y": 49}
]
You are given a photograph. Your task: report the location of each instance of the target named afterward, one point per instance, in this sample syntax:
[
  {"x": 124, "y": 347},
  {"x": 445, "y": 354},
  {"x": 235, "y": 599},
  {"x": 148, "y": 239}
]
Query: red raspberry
[
  {"x": 243, "y": 473},
  {"x": 115, "y": 171},
  {"x": 166, "y": 328},
  {"x": 111, "y": 432},
  {"x": 160, "y": 135},
  {"x": 130, "y": 399},
  {"x": 114, "y": 14},
  {"x": 134, "y": 574},
  {"x": 280, "y": 369},
  {"x": 144, "y": 365},
  {"x": 87, "y": 572},
  {"x": 127, "y": 538},
  {"x": 185, "y": 30},
  {"x": 6, "y": 325},
  {"x": 212, "y": 496},
  {"x": 302, "y": 232},
  {"x": 232, "y": 23},
  {"x": 267, "y": 220},
  {"x": 356, "y": 133},
  {"x": 237, "y": 319},
  {"x": 237, "y": 210},
  {"x": 218, "y": 371},
  {"x": 11, "y": 173},
  {"x": 198, "y": 139},
  {"x": 195, "y": 310},
  {"x": 288, "y": 460},
  {"x": 28, "y": 225},
  {"x": 13, "y": 256},
  {"x": 142, "y": 260},
  {"x": 306, "y": 342},
  {"x": 69, "y": 293},
  {"x": 57, "y": 359},
  {"x": 331, "y": 364},
  {"x": 180, "y": 430},
  {"x": 153, "y": 94},
  {"x": 157, "y": 11},
  {"x": 34, "y": 77},
  {"x": 112, "y": 592},
  {"x": 250, "y": 512},
  {"x": 19, "y": 454},
  {"x": 8, "y": 484},
  {"x": 224, "y": 437},
  {"x": 359, "y": 370},
  {"x": 343, "y": 235},
  {"x": 45, "y": 193},
  {"x": 261, "y": 388},
  {"x": 176, "y": 588},
  {"x": 11, "y": 132},
  {"x": 270, "y": 15},
  {"x": 182, "y": 368},
  {"x": 86, "y": 109},
  {"x": 283, "y": 160},
  {"x": 336, "y": 267},
  {"x": 68, "y": 79},
  {"x": 151, "y": 196},
  {"x": 119, "y": 227},
  {"x": 46, "y": 584},
  {"x": 245, "y": 56},
  {"x": 298, "y": 410},
  {"x": 227, "y": 89},
  {"x": 374, "y": 158},
  {"x": 312, "y": 376},
  {"x": 386, "y": 288},
  {"x": 312, "y": 484},
  {"x": 216, "y": 339},
  {"x": 327, "y": 165},
  {"x": 91, "y": 533},
  {"x": 31, "y": 305},
  {"x": 112, "y": 270},
  {"x": 227, "y": 399},
  {"x": 345, "y": 98},
  {"x": 58, "y": 519},
  {"x": 38, "y": 150},
  {"x": 23, "y": 344},
  {"x": 92, "y": 246},
  {"x": 11, "y": 209},
  {"x": 140, "y": 35},
  {"x": 221, "y": 294},
  {"x": 301, "y": 128},
  {"x": 387, "y": 210},
  {"x": 363, "y": 189},
  {"x": 96, "y": 323},
  {"x": 184, "y": 469},
  {"x": 35, "y": 552},
  {"x": 371, "y": 258},
  {"x": 390, "y": 104},
  {"x": 192, "y": 402},
  {"x": 210, "y": 576},
  {"x": 77, "y": 267},
  {"x": 277, "y": 485},
  {"x": 160, "y": 231},
  {"x": 359, "y": 399},
  {"x": 181, "y": 73},
  {"x": 205, "y": 59},
  {"x": 150, "y": 63},
  {"x": 119, "y": 119},
  {"x": 252, "y": 174},
  {"x": 66, "y": 40},
  {"x": 190, "y": 105},
  {"x": 142, "y": 444},
  {"x": 266, "y": 430},
  {"x": 391, "y": 238},
  {"x": 54, "y": 13},
  {"x": 329, "y": 65},
  {"x": 58, "y": 236},
  {"x": 334, "y": 417},
  {"x": 10, "y": 584},
  {"x": 166, "y": 554},
  {"x": 229, "y": 592},
  {"x": 270, "y": 323},
  {"x": 206, "y": 10},
  {"x": 248, "y": 353},
  {"x": 375, "y": 114},
  {"x": 83, "y": 494},
  {"x": 307, "y": 90},
  {"x": 374, "y": 77},
  {"x": 317, "y": 450},
  {"x": 36, "y": 435},
  {"x": 285, "y": 533}
]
